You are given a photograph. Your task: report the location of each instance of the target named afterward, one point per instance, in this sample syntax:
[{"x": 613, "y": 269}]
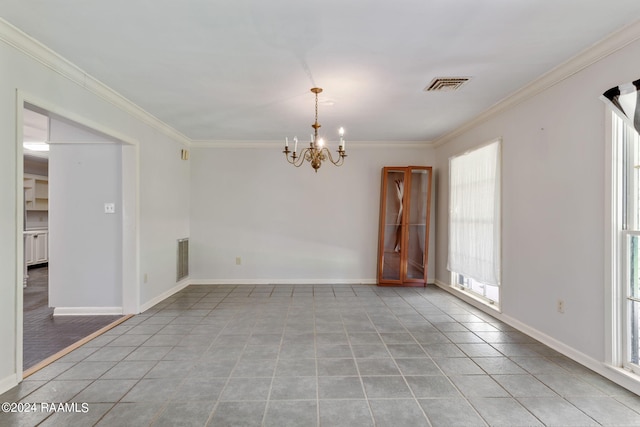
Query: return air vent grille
[
  {"x": 183, "y": 259},
  {"x": 446, "y": 84}
]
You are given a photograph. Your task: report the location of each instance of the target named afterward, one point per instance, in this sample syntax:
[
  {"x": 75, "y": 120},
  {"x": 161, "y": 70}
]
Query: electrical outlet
[
  {"x": 560, "y": 306},
  {"x": 146, "y": 277},
  {"x": 238, "y": 260},
  {"x": 109, "y": 208}
]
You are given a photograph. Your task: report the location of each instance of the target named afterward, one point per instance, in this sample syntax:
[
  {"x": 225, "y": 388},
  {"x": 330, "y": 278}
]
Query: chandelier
[{"x": 316, "y": 153}]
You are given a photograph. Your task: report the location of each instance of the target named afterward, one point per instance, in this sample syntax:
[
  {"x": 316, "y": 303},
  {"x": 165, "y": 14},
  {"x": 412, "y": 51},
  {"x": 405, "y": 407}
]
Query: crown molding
[
  {"x": 202, "y": 143},
  {"x": 582, "y": 60},
  {"x": 19, "y": 40},
  {"x": 391, "y": 144},
  {"x": 26, "y": 44},
  {"x": 279, "y": 144}
]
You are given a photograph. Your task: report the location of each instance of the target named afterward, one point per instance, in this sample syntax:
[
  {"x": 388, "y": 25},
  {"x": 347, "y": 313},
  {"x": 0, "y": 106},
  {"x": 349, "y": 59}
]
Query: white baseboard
[
  {"x": 8, "y": 383},
  {"x": 177, "y": 288},
  {"x": 617, "y": 375},
  {"x": 283, "y": 282},
  {"x": 87, "y": 311}
]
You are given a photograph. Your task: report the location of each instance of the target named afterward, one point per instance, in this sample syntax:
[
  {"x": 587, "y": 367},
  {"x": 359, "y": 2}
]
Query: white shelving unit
[{"x": 36, "y": 192}]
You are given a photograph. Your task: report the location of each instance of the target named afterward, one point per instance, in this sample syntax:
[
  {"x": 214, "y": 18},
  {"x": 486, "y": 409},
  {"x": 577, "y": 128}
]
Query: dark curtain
[{"x": 632, "y": 113}]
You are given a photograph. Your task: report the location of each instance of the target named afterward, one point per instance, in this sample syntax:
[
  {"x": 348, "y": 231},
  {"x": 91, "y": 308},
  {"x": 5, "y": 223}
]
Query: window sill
[{"x": 469, "y": 297}]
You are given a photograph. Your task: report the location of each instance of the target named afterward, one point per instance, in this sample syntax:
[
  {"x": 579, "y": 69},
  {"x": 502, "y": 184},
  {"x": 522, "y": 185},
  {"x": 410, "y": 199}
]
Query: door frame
[{"x": 130, "y": 211}]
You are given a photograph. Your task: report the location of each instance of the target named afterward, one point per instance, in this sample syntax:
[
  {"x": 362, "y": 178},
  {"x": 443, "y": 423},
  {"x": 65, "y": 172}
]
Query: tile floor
[
  {"x": 319, "y": 355},
  {"x": 45, "y": 335}
]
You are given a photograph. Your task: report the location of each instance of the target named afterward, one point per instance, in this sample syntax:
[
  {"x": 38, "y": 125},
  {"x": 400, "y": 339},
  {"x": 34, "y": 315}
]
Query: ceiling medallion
[{"x": 316, "y": 153}]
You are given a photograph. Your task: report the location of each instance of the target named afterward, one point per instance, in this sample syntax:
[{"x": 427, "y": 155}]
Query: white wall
[
  {"x": 85, "y": 244},
  {"x": 164, "y": 215},
  {"x": 290, "y": 224},
  {"x": 162, "y": 210},
  {"x": 553, "y": 204},
  {"x": 8, "y": 225}
]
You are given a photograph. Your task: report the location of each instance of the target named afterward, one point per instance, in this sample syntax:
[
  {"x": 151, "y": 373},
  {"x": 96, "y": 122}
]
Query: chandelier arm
[
  {"x": 302, "y": 157},
  {"x": 298, "y": 160},
  {"x": 338, "y": 162}
]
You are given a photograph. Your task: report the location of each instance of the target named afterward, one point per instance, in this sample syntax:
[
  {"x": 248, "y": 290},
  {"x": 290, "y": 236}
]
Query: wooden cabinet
[
  {"x": 36, "y": 192},
  {"x": 403, "y": 245}
]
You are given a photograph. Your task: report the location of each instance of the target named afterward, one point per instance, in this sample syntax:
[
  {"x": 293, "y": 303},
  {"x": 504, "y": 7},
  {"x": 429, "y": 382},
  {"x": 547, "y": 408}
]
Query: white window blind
[{"x": 474, "y": 214}]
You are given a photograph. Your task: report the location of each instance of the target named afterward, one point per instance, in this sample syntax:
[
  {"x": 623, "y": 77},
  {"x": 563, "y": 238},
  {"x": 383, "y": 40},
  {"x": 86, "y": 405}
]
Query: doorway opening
[{"x": 67, "y": 275}]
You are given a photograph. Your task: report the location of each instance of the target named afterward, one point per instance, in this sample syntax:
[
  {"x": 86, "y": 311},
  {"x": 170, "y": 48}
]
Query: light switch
[{"x": 109, "y": 208}]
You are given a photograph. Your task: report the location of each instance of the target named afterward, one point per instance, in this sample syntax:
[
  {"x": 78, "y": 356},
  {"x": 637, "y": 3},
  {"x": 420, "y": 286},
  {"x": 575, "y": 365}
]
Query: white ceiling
[{"x": 241, "y": 70}]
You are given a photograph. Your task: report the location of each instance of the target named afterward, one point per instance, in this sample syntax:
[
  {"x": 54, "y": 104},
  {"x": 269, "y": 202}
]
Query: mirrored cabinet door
[
  {"x": 391, "y": 228},
  {"x": 404, "y": 225}
]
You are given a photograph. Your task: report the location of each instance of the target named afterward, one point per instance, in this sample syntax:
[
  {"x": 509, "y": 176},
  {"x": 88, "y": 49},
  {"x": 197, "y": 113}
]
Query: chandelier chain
[{"x": 315, "y": 134}]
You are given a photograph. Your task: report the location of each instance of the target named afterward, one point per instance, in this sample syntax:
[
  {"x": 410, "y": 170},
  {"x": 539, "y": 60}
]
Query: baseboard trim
[
  {"x": 283, "y": 282},
  {"x": 8, "y": 383},
  {"x": 627, "y": 381},
  {"x": 617, "y": 375},
  {"x": 166, "y": 294},
  {"x": 87, "y": 311}
]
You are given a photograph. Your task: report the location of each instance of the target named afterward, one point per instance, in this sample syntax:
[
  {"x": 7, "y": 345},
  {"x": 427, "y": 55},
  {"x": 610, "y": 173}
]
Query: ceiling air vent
[{"x": 442, "y": 84}]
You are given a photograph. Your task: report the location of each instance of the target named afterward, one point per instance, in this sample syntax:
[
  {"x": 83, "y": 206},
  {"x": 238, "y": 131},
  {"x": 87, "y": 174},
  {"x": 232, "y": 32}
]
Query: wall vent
[
  {"x": 183, "y": 259},
  {"x": 446, "y": 84}
]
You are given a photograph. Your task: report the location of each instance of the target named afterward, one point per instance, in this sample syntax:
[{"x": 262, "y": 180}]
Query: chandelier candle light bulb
[{"x": 317, "y": 152}]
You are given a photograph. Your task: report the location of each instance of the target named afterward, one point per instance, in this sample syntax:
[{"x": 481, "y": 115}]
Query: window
[
  {"x": 626, "y": 145},
  {"x": 474, "y": 221},
  {"x": 623, "y": 230}
]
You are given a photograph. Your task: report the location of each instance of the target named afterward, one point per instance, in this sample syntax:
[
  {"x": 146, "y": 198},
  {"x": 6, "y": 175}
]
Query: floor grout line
[{"x": 206, "y": 323}]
